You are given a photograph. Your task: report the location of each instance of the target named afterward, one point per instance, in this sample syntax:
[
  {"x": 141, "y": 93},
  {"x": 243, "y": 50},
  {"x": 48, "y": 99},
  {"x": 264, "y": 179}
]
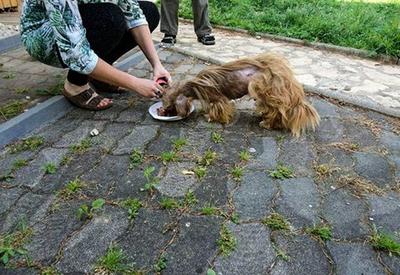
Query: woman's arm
[{"x": 143, "y": 38}]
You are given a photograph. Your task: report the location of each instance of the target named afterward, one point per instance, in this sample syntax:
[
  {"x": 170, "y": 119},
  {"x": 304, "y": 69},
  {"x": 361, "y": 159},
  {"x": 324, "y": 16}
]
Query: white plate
[{"x": 153, "y": 112}]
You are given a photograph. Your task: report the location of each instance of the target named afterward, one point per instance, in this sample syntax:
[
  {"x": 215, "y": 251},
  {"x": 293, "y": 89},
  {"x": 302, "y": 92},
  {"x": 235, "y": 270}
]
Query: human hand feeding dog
[{"x": 267, "y": 78}]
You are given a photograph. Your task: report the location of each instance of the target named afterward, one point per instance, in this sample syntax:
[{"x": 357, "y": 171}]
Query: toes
[{"x": 104, "y": 102}]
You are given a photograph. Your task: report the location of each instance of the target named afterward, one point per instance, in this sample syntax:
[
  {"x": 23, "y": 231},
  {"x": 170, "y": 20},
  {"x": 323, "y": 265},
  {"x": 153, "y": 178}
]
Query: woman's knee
[{"x": 151, "y": 12}]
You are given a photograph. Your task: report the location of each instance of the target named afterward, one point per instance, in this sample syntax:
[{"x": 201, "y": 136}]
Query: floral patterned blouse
[{"x": 47, "y": 23}]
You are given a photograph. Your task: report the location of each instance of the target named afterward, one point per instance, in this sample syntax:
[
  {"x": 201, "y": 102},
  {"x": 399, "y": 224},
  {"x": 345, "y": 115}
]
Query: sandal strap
[{"x": 87, "y": 99}]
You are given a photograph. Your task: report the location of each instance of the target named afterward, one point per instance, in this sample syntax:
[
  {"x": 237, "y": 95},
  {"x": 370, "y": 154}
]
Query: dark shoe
[
  {"x": 169, "y": 39},
  {"x": 88, "y": 99},
  {"x": 207, "y": 39}
]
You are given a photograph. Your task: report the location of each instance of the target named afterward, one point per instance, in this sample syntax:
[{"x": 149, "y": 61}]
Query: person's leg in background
[
  {"x": 169, "y": 20},
  {"x": 202, "y": 26}
]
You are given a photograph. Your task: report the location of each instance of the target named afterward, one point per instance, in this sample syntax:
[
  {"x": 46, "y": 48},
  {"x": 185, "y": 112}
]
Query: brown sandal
[
  {"x": 87, "y": 99},
  {"x": 102, "y": 87}
]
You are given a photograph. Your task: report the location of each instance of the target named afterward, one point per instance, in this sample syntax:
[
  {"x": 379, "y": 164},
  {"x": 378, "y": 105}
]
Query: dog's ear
[{"x": 183, "y": 105}]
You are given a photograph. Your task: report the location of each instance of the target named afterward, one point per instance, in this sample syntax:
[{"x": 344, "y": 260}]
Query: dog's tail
[{"x": 280, "y": 97}]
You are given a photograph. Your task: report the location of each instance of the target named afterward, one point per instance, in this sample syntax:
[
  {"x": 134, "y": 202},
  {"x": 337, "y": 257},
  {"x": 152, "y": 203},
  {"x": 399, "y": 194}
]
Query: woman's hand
[
  {"x": 148, "y": 88},
  {"x": 160, "y": 72}
]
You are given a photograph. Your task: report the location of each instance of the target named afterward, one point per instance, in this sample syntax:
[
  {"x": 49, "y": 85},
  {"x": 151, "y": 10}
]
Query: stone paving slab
[
  {"x": 163, "y": 219},
  {"x": 359, "y": 81}
]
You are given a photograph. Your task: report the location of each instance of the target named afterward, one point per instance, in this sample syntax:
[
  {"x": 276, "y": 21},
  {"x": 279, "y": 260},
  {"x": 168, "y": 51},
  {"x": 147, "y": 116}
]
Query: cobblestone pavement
[
  {"x": 358, "y": 80},
  {"x": 189, "y": 196}
]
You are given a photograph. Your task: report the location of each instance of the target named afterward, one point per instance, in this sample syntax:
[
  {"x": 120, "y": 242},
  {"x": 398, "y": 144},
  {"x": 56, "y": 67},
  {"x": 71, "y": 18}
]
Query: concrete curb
[
  {"x": 49, "y": 110},
  {"x": 10, "y": 43},
  {"x": 341, "y": 96},
  {"x": 322, "y": 46}
]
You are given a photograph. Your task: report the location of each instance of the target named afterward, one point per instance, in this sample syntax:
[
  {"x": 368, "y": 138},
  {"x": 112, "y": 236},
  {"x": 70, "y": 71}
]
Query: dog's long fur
[{"x": 267, "y": 78}]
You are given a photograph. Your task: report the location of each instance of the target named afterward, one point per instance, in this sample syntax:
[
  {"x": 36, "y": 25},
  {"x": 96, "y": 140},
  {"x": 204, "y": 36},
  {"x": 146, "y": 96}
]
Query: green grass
[
  {"x": 49, "y": 168},
  {"x": 244, "y": 155},
  {"x": 113, "y": 262},
  {"x": 210, "y": 210},
  {"x": 323, "y": 232},
  {"x": 276, "y": 221},
  {"x": 216, "y": 137},
  {"x": 200, "y": 172},
  {"x": 169, "y": 156},
  {"x": 12, "y": 245},
  {"x": 133, "y": 206},
  {"x": 369, "y": 26},
  {"x": 87, "y": 212},
  {"x": 161, "y": 264},
  {"x": 208, "y": 158},
  {"x": 12, "y": 109},
  {"x": 28, "y": 144},
  {"x": 385, "y": 242},
  {"x": 135, "y": 159},
  {"x": 169, "y": 203},
  {"x": 281, "y": 172},
  {"x": 72, "y": 188},
  {"x": 81, "y": 147},
  {"x": 19, "y": 163},
  {"x": 179, "y": 143},
  {"x": 190, "y": 199},
  {"x": 237, "y": 173},
  {"x": 226, "y": 241}
]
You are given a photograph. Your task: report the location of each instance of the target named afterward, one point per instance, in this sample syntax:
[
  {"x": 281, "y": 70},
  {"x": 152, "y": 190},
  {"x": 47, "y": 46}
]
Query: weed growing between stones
[
  {"x": 237, "y": 172},
  {"x": 28, "y": 144},
  {"x": 161, "y": 264},
  {"x": 280, "y": 138},
  {"x": 325, "y": 170},
  {"x": 281, "y": 172},
  {"x": 226, "y": 241},
  {"x": 385, "y": 242},
  {"x": 276, "y": 221},
  {"x": 216, "y": 137},
  {"x": 359, "y": 186},
  {"x": 323, "y": 232},
  {"x": 86, "y": 212},
  {"x": 190, "y": 199},
  {"x": 208, "y": 158},
  {"x": 82, "y": 147},
  {"x": 66, "y": 160},
  {"x": 114, "y": 262},
  {"x": 210, "y": 210},
  {"x": 169, "y": 203},
  {"x": 19, "y": 163},
  {"x": 179, "y": 143},
  {"x": 347, "y": 146},
  {"x": 244, "y": 156},
  {"x": 49, "y": 271},
  {"x": 21, "y": 90},
  {"x": 135, "y": 159},
  {"x": 235, "y": 218},
  {"x": 280, "y": 253},
  {"x": 49, "y": 168},
  {"x": 72, "y": 188},
  {"x": 12, "y": 109},
  {"x": 168, "y": 156},
  {"x": 133, "y": 206},
  {"x": 12, "y": 245},
  {"x": 151, "y": 181},
  {"x": 200, "y": 172},
  {"x": 211, "y": 272}
]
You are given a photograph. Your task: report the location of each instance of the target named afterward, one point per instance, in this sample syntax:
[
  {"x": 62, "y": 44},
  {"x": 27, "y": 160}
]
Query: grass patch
[
  {"x": 190, "y": 199},
  {"x": 28, "y": 144},
  {"x": 71, "y": 189},
  {"x": 49, "y": 168},
  {"x": 385, "y": 242},
  {"x": 359, "y": 186},
  {"x": 323, "y": 232},
  {"x": 244, "y": 155},
  {"x": 276, "y": 221},
  {"x": 82, "y": 147},
  {"x": 169, "y": 203},
  {"x": 200, "y": 172},
  {"x": 216, "y": 137},
  {"x": 49, "y": 271},
  {"x": 169, "y": 156},
  {"x": 370, "y": 26},
  {"x": 12, "y": 109},
  {"x": 161, "y": 264},
  {"x": 226, "y": 241},
  {"x": 325, "y": 170},
  {"x": 21, "y": 90},
  {"x": 208, "y": 158},
  {"x": 135, "y": 159},
  {"x": 179, "y": 143},
  {"x": 11, "y": 245},
  {"x": 113, "y": 262},
  {"x": 19, "y": 163},
  {"x": 237, "y": 172},
  {"x": 86, "y": 212},
  {"x": 133, "y": 206},
  {"x": 281, "y": 172},
  {"x": 151, "y": 180},
  {"x": 210, "y": 210}
]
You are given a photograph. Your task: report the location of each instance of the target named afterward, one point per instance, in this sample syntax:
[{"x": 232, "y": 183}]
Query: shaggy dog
[{"x": 267, "y": 78}]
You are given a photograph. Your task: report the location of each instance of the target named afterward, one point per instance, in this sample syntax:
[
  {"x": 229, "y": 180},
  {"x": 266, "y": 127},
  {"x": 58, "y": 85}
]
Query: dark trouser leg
[
  {"x": 107, "y": 32},
  {"x": 169, "y": 16},
  {"x": 202, "y": 24}
]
